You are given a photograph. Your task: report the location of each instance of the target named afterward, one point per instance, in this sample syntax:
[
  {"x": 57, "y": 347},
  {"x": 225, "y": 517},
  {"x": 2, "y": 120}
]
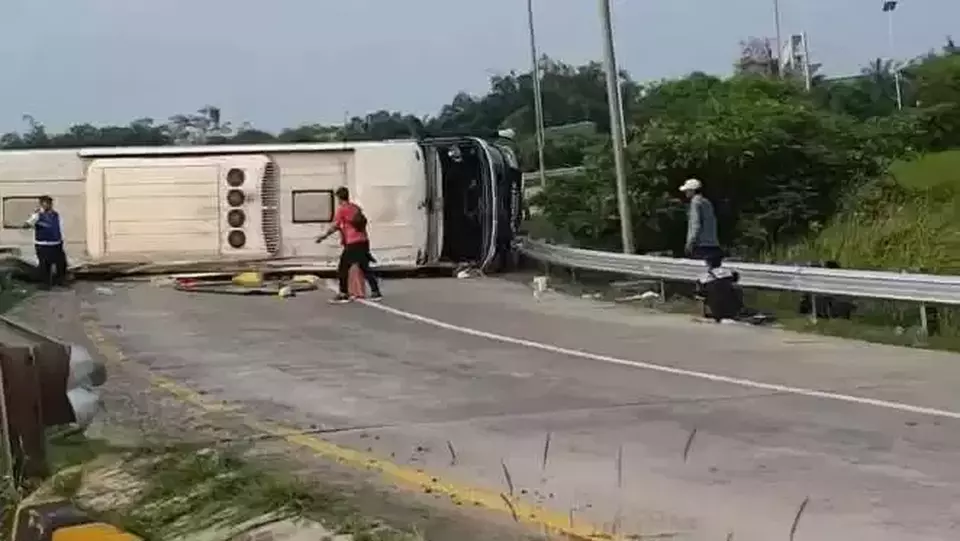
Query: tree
[
  {"x": 382, "y": 125},
  {"x": 570, "y": 94},
  {"x": 772, "y": 161}
]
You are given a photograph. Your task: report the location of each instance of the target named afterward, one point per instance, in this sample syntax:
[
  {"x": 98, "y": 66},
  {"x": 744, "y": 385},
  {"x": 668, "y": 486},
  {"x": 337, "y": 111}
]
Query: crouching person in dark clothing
[
  {"x": 48, "y": 241},
  {"x": 720, "y": 291}
]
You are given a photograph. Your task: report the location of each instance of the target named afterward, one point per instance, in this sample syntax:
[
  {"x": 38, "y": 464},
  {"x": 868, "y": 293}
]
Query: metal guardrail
[
  {"x": 921, "y": 288},
  {"x": 43, "y": 383},
  {"x": 532, "y": 178}
]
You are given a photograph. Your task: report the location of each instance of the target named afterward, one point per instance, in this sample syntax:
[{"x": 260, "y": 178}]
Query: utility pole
[
  {"x": 616, "y": 127},
  {"x": 623, "y": 118},
  {"x": 776, "y": 24},
  {"x": 889, "y": 7},
  {"x": 537, "y": 94},
  {"x": 807, "y": 74}
]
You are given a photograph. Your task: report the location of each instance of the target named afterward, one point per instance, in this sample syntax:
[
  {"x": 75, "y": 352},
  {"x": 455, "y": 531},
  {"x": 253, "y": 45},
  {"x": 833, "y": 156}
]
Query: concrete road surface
[{"x": 657, "y": 425}]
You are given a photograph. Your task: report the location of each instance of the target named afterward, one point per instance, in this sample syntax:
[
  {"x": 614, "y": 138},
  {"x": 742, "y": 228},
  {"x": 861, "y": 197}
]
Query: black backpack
[
  {"x": 359, "y": 220},
  {"x": 722, "y": 295}
]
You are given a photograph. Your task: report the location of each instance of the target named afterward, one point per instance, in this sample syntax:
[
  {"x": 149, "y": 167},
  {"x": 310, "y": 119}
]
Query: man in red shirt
[{"x": 352, "y": 225}]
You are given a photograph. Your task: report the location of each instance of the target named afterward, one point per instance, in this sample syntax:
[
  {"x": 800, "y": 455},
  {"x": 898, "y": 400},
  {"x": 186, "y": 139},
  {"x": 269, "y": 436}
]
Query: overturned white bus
[{"x": 430, "y": 202}]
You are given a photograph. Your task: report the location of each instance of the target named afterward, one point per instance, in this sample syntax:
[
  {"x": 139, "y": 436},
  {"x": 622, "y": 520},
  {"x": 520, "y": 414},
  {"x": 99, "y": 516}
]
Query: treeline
[
  {"x": 778, "y": 161},
  {"x": 571, "y": 94}
]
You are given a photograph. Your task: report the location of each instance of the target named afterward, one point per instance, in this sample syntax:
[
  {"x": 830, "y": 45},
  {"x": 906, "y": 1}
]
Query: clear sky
[{"x": 285, "y": 62}]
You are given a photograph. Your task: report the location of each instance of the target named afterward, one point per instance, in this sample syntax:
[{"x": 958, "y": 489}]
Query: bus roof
[{"x": 200, "y": 150}]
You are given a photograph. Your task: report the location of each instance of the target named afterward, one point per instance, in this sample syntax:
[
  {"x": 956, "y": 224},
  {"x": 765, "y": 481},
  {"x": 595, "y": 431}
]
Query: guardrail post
[
  {"x": 23, "y": 403},
  {"x": 924, "y": 324},
  {"x": 933, "y": 318},
  {"x": 813, "y": 308},
  {"x": 929, "y": 319},
  {"x": 7, "y": 473}
]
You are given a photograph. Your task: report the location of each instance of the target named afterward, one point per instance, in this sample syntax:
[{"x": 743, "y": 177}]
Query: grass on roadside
[
  {"x": 909, "y": 221},
  {"x": 186, "y": 489},
  {"x": 13, "y": 292}
]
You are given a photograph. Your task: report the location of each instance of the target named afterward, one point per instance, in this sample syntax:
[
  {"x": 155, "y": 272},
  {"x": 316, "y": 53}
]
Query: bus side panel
[
  {"x": 163, "y": 209},
  {"x": 25, "y": 175},
  {"x": 390, "y": 184},
  {"x": 306, "y": 203},
  {"x": 153, "y": 209}
]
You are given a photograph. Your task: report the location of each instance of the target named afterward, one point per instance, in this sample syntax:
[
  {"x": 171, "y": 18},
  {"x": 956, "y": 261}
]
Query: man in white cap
[{"x": 702, "y": 241}]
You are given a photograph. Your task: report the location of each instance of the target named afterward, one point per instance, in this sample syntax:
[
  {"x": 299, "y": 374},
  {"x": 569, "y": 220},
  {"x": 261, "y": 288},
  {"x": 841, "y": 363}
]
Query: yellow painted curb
[
  {"x": 96, "y": 531},
  {"x": 410, "y": 478},
  {"x": 38, "y": 519}
]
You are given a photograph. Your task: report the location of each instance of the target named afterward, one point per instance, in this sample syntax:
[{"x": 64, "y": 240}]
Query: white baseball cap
[{"x": 691, "y": 184}]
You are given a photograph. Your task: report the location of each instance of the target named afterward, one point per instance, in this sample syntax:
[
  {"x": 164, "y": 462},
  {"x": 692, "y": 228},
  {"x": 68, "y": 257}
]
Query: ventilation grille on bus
[{"x": 270, "y": 199}]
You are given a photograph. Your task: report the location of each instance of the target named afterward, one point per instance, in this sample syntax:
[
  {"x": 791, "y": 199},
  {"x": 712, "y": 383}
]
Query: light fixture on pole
[
  {"x": 616, "y": 126},
  {"x": 889, "y": 7},
  {"x": 537, "y": 94}
]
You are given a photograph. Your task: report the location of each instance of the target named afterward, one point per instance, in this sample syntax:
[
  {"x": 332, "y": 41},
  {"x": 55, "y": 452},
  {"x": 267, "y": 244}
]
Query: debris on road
[
  {"x": 540, "y": 285},
  {"x": 248, "y": 283},
  {"x": 649, "y": 297},
  {"x": 466, "y": 270}
]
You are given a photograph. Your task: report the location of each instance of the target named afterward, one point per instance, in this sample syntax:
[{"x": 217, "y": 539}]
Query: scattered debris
[
  {"x": 540, "y": 285},
  {"x": 306, "y": 279},
  {"x": 248, "y": 283},
  {"x": 647, "y": 296},
  {"x": 466, "y": 270},
  {"x": 248, "y": 279},
  {"x": 647, "y": 291}
]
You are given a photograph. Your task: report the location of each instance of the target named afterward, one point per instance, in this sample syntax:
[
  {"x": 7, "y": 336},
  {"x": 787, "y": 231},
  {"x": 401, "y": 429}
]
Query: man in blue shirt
[{"x": 48, "y": 241}]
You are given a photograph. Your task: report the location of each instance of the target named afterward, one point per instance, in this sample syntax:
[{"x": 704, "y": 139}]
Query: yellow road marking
[{"x": 404, "y": 476}]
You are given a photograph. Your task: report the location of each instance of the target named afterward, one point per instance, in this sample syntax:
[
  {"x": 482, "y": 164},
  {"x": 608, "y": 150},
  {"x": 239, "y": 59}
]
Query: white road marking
[{"x": 799, "y": 391}]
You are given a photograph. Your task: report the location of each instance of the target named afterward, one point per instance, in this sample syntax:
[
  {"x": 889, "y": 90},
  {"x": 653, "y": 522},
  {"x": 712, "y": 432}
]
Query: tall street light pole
[
  {"x": 889, "y": 7},
  {"x": 776, "y": 24},
  {"x": 616, "y": 127},
  {"x": 537, "y": 94}
]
